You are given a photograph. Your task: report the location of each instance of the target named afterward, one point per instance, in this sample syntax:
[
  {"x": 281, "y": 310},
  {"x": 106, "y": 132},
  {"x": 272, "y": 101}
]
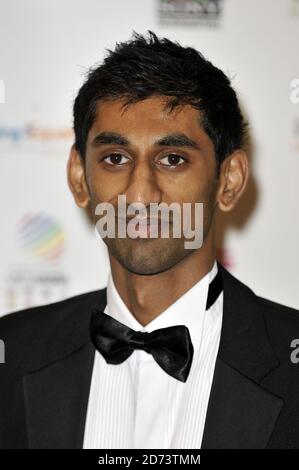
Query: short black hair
[{"x": 146, "y": 66}]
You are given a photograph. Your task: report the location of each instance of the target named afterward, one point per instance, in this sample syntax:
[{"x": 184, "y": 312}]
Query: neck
[{"x": 137, "y": 290}]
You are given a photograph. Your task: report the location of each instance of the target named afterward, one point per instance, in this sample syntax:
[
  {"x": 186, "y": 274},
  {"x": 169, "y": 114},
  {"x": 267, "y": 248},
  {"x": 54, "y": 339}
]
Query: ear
[
  {"x": 233, "y": 180},
  {"x": 76, "y": 178}
]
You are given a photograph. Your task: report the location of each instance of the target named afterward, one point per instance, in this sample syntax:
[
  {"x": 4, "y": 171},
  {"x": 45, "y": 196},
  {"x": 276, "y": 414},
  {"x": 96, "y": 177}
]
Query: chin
[
  {"x": 147, "y": 258},
  {"x": 142, "y": 269}
]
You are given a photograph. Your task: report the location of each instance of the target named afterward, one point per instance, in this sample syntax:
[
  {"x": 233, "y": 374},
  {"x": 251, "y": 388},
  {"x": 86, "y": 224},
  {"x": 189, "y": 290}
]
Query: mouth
[
  {"x": 146, "y": 220},
  {"x": 147, "y": 227}
]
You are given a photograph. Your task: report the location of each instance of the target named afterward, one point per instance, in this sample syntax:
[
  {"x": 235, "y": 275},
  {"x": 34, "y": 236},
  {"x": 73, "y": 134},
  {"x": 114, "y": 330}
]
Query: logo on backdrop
[
  {"x": 33, "y": 133},
  {"x": 294, "y": 94},
  {"x": 226, "y": 257},
  {"x": 193, "y": 12},
  {"x": 37, "y": 276},
  {"x": 295, "y": 7},
  {"x": 41, "y": 236}
]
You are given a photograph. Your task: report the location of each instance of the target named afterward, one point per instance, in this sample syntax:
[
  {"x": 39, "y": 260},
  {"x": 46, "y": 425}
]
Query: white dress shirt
[{"x": 136, "y": 404}]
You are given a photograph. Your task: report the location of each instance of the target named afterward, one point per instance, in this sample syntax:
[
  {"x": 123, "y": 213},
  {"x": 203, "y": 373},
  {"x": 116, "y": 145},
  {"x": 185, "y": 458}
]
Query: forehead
[{"x": 146, "y": 117}]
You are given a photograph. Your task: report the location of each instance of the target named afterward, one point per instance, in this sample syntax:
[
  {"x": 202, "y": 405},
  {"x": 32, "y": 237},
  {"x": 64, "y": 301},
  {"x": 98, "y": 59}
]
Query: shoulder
[
  {"x": 272, "y": 311},
  {"x": 26, "y": 332},
  {"x": 279, "y": 312},
  {"x": 282, "y": 323},
  {"x": 50, "y": 313},
  {"x": 281, "y": 317}
]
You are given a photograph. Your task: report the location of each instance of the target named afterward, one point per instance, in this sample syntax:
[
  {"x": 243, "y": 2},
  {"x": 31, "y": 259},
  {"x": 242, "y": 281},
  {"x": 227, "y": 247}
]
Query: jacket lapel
[
  {"x": 241, "y": 412},
  {"x": 56, "y": 390}
]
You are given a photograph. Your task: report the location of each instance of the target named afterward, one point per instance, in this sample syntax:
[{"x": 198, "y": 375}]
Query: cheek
[
  {"x": 197, "y": 184},
  {"x": 191, "y": 190},
  {"x": 103, "y": 187}
]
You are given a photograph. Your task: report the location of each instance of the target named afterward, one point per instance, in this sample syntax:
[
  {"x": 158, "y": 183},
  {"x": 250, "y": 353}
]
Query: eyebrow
[{"x": 171, "y": 140}]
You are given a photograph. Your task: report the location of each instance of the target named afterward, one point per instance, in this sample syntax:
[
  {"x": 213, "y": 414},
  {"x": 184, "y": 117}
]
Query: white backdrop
[{"x": 48, "y": 248}]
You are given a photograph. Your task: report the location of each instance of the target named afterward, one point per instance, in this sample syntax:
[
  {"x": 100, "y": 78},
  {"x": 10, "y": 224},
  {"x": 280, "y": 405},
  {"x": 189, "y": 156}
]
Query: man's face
[{"x": 133, "y": 163}]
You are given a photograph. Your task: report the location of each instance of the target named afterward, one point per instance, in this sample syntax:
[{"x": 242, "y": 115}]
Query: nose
[{"x": 142, "y": 185}]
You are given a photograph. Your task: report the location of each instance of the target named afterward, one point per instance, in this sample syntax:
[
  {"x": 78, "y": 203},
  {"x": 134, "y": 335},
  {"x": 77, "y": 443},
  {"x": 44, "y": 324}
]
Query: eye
[
  {"x": 172, "y": 160},
  {"x": 116, "y": 159}
]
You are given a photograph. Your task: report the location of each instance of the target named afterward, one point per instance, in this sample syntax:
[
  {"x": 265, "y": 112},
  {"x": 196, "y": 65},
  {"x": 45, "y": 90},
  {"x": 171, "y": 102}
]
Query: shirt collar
[{"x": 188, "y": 310}]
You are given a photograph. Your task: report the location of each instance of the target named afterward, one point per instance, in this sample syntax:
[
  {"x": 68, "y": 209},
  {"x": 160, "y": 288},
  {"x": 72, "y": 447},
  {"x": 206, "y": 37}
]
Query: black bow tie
[{"x": 171, "y": 347}]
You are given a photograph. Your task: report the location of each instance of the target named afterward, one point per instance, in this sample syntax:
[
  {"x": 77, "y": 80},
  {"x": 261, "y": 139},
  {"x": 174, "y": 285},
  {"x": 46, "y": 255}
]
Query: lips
[
  {"x": 146, "y": 220},
  {"x": 148, "y": 227},
  {"x": 144, "y": 227}
]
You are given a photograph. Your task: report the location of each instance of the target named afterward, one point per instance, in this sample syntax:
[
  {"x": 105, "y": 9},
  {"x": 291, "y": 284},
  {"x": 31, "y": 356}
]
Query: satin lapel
[
  {"x": 241, "y": 412},
  {"x": 56, "y": 391}
]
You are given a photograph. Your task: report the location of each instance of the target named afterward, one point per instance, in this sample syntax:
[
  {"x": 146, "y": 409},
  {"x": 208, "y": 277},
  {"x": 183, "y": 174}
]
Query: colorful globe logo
[{"x": 41, "y": 236}]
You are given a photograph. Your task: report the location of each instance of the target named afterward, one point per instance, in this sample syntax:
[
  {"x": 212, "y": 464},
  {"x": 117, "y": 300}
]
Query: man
[{"x": 176, "y": 352}]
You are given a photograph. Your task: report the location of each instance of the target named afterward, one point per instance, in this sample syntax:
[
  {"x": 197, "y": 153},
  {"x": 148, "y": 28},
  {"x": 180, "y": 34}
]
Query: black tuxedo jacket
[{"x": 45, "y": 381}]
